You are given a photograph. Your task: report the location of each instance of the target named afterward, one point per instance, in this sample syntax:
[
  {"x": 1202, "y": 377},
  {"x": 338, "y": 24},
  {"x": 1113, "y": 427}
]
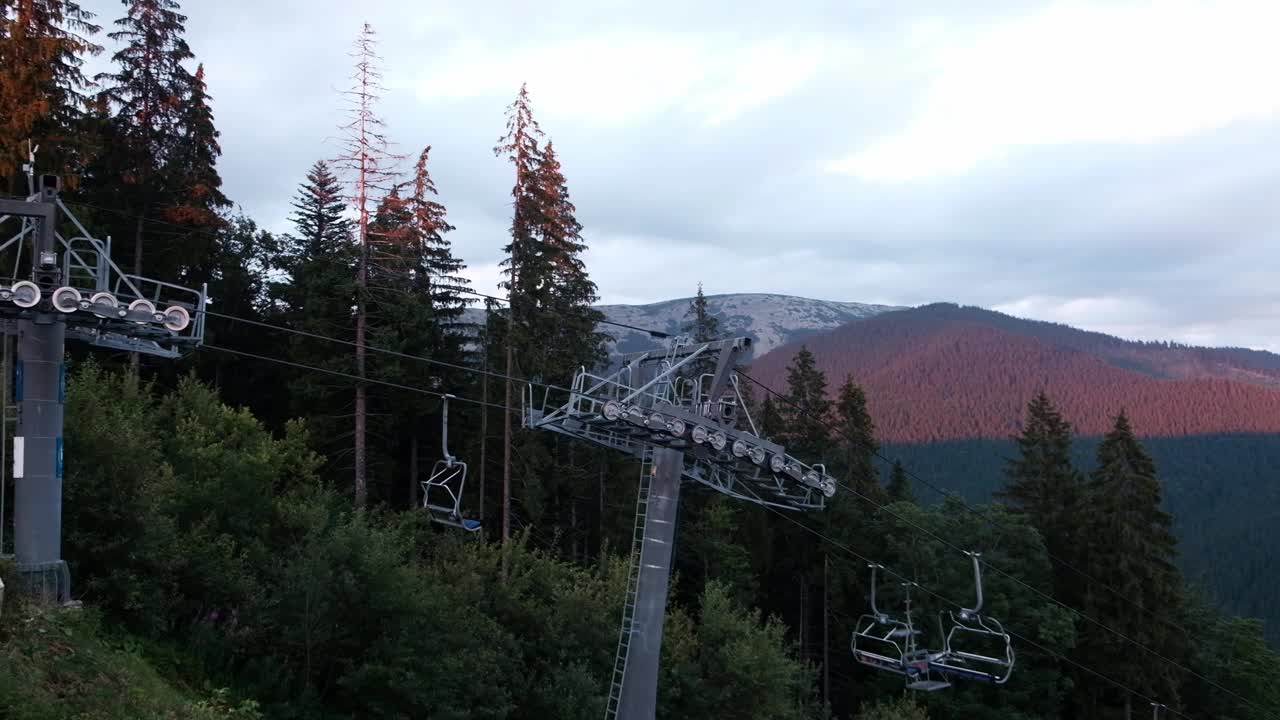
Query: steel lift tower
[
  {"x": 681, "y": 413},
  {"x": 63, "y": 284}
]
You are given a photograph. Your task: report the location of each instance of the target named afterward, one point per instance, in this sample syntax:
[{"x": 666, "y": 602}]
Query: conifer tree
[
  {"x": 1129, "y": 545},
  {"x": 899, "y": 487},
  {"x": 855, "y": 441},
  {"x": 770, "y": 421},
  {"x": 574, "y": 340},
  {"x": 1043, "y": 483},
  {"x": 442, "y": 268},
  {"x": 42, "y": 86},
  {"x": 318, "y": 261},
  {"x": 700, "y": 324},
  {"x": 550, "y": 320},
  {"x": 191, "y": 168},
  {"x": 148, "y": 91},
  {"x": 806, "y": 412},
  {"x": 369, "y": 166}
]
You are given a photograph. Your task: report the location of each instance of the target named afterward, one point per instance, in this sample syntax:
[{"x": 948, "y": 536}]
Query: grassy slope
[{"x": 56, "y": 663}]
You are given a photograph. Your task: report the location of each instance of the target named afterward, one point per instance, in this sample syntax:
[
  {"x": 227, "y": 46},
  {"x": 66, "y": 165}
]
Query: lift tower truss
[
  {"x": 680, "y": 412},
  {"x": 60, "y": 283}
]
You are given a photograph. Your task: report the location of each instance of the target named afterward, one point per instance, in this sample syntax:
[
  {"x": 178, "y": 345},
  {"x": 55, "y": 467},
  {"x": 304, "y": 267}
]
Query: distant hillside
[
  {"x": 769, "y": 320},
  {"x": 1222, "y": 490},
  {"x": 942, "y": 372}
]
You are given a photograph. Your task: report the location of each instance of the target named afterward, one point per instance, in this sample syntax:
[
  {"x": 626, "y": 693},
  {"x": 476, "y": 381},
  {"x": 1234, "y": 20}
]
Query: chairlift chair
[
  {"x": 449, "y": 475},
  {"x": 966, "y": 625},
  {"x": 885, "y": 643}
]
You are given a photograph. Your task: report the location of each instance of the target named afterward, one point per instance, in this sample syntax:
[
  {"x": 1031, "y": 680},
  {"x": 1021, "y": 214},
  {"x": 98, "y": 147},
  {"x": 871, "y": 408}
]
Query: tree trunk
[
  {"x": 506, "y": 451},
  {"x": 506, "y": 461},
  {"x": 362, "y": 489},
  {"x": 1128, "y": 706},
  {"x": 413, "y": 471}
]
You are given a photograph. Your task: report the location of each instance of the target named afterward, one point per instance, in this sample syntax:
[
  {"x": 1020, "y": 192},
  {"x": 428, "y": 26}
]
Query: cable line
[{"x": 350, "y": 376}]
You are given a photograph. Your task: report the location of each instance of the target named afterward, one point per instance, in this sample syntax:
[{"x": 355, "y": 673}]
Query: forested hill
[{"x": 943, "y": 372}]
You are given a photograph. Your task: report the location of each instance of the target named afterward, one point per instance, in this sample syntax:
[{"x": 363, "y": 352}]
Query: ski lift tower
[
  {"x": 59, "y": 287},
  {"x": 681, "y": 413}
]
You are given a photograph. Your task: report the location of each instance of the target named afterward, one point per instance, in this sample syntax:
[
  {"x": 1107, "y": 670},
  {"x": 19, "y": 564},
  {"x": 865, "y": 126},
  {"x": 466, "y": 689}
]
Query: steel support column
[{"x": 640, "y": 682}]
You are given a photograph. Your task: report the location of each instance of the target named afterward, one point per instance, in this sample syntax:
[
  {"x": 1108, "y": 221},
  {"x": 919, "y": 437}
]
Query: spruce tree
[
  {"x": 855, "y": 442},
  {"x": 148, "y": 91},
  {"x": 899, "y": 488},
  {"x": 574, "y": 340},
  {"x": 1043, "y": 483},
  {"x": 318, "y": 262},
  {"x": 1129, "y": 545},
  {"x": 192, "y": 177},
  {"x": 805, "y": 414},
  {"x": 442, "y": 268},
  {"x": 700, "y": 324},
  {"x": 42, "y": 87}
]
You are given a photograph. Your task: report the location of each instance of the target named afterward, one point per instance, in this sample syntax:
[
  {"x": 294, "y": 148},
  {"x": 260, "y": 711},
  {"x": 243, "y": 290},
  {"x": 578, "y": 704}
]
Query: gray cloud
[{"x": 1172, "y": 238}]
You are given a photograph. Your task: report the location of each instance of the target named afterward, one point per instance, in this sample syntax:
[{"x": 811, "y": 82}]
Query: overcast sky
[{"x": 1111, "y": 165}]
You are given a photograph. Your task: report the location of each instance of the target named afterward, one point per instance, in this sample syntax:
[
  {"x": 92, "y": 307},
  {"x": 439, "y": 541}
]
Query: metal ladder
[{"x": 633, "y": 583}]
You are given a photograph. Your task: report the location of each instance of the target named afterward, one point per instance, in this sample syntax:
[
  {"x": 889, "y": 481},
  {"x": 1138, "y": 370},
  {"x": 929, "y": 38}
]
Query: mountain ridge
[{"x": 944, "y": 372}]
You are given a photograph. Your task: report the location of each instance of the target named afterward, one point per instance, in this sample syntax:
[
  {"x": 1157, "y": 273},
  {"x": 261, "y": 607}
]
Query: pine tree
[
  {"x": 318, "y": 261},
  {"x": 700, "y": 324},
  {"x": 148, "y": 90},
  {"x": 1129, "y": 545},
  {"x": 443, "y": 269},
  {"x": 770, "y": 420},
  {"x": 856, "y": 442},
  {"x": 42, "y": 98},
  {"x": 191, "y": 167},
  {"x": 1043, "y": 483},
  {"x": 899, "y": 487},
  {"x": 368, "y": 162},
  {"x": 524, "y": 267},
  {"x": 806, "y": 412},
  {"x": 574, "y": 340}
]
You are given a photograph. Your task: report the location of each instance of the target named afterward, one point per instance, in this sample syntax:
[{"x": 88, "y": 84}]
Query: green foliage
[
  {"x": 62, "y": 664},
  {"x": 43, "y": 44},
  {"x": 805, "y": 413},
  {"x": 899, "y": 487},
  {"x": 1127, "y": 539},
  {"x": 730, "y": 663},
  {"x": 902, "y": 708}
]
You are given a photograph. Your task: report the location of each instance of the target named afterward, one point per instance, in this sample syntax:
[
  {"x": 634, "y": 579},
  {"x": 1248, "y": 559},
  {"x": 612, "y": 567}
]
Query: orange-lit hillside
[{"x": 945, "y": 372}]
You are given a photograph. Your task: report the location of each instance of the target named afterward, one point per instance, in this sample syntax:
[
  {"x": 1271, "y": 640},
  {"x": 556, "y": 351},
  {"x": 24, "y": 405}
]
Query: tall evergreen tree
[
  {"x": 42, "y": 86},
  {"x": 1043, "y": 483},
  {"x": 318, "y": 262},
  {"x": 806, "y": 413},
  {"x": 191, "y": 172},
  {"x": 700, "y": 324},
  {"x": 369, "y": 165},
  {"x": 443, "y": 269},
  {"x": 148, "y": 91},
  {"x": 856, "y": 442},
  {"x": 1129, "y": 545},
  {"x": 899, "y": 488}
]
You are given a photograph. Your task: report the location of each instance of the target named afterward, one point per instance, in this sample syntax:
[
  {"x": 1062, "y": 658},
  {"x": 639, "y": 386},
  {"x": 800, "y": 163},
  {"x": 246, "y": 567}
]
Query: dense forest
[
  {"x": 1221, "y": 490},
  {"x": 244, "y": 527},
  {"x": 940, "y": 372}
]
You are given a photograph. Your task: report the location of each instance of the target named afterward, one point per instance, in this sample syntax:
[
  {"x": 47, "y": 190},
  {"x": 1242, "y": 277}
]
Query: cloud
[
  {"x": 627, "y": 76},
  {"x": 1119, "y": 72},
  {"x": 1107, "y": 164}
]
